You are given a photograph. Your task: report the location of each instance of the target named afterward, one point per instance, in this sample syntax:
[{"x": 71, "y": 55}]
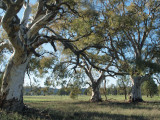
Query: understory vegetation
[{"x": 64, "y": 108}]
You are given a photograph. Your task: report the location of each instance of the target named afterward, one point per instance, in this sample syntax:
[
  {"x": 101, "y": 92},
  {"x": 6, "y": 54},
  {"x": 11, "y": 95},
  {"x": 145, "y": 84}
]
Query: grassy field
[{"x": 64, "y": 108}]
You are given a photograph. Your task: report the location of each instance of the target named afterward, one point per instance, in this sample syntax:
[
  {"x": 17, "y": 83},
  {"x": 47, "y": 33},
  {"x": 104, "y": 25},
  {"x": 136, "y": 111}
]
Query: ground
[{"x": 64, "y": 108}]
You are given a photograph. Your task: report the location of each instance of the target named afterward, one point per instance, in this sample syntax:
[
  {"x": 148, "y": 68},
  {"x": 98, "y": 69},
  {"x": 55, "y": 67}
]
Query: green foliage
[
  {"x": 63, "y": 91},
  {"x": 124, "y": 82},
  {"x": 150, "y": 88},
  {"x": 40, "y": 66},
  {"x": 46, "y": 91},
  {"x": 112, "y": 90},
  {"x": 60, "y": 71},
  {"x": 47, "y": 62},
  {"x": 75, "y": 92},
  {"x": 127, "y": 23},
  {"x": 155, "y": 67},
  {"x": 48, "y": 82},
  {"x": 34, "y": 66},
  {"x": 88, "y": 91}
]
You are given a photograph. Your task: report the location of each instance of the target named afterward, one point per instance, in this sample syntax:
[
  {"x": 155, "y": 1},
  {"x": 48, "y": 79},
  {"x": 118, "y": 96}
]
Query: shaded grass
[{"x": 64, "y": 108}]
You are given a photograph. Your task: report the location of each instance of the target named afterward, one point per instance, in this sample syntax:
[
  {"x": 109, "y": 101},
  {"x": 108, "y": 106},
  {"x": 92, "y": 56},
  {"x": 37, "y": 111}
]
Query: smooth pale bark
[
  {"x": 12, "y": 84},
  {"x": 96, "y": 96},
  {"x": 136, "y": 89}
]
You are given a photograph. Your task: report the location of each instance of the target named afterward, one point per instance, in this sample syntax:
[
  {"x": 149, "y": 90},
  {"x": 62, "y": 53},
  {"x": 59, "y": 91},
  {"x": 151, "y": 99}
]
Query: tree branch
[
  {"x": 11, "y": 12},
  {"x": 26, "y": 13},
  {"x": 11, "y": 23},
  {"x": 4, "y": 45}
]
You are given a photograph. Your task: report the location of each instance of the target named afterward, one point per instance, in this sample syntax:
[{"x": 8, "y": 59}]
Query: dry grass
[{"x": 64, "y": 108}]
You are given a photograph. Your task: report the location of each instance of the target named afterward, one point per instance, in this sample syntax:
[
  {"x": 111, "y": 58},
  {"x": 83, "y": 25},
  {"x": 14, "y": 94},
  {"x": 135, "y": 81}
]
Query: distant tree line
[{"x": 149, "y": 88}]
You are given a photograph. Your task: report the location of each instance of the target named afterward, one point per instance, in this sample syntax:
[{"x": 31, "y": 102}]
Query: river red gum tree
[
  {"x": 24, "y": 37},
  {"x": 132, "y": 39},
  {"x": 95, "y": 82},
  {"x": 95, "y": 76}
]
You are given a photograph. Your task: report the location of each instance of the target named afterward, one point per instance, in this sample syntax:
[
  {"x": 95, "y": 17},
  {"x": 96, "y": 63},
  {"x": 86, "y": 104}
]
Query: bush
[
  {"x": 75, "y": 92},
  {"x": 150, "y": 88}
]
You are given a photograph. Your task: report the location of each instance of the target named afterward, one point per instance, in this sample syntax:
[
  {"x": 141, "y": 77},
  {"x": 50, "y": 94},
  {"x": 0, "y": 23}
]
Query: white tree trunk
[
  {"x": 12, "y": 83},
  {"x": 136, "y": 89},
  {"x": 96, "y": 96}
]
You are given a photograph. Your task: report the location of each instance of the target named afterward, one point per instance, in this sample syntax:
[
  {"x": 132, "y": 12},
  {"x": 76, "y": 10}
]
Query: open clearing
[{"x": 64, "y": 108}]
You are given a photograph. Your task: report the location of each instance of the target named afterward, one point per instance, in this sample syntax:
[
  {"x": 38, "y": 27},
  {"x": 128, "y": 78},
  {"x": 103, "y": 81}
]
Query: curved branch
[
  {"x": 40, "y": 23},
  {"x": 26, "y": 13},
  {"x": 11, "y": 12},
  {"x": 40, "y": 12},
  {"x": 10, "y": 22}
]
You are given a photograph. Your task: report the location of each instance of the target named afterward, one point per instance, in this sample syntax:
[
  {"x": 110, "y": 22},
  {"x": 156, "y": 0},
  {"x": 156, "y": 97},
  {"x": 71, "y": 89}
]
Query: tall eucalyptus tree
[
  {"x": 132, "y": 38},
  {"x": 26, "y": 35}
]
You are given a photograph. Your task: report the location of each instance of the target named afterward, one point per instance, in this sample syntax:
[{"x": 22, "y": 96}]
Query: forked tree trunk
[
  {"x": 96, "y": 96},
  {"x": 136, "y": 89},
  {"x": 12, "y": 83}
]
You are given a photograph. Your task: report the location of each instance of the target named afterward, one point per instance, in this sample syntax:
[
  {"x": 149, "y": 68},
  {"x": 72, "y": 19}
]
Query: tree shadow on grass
[
  {"x": 33, "y": 113},
  {"x": 106, "y": 116},
  {"x": 79, "y": 114},
  {"x": 137, "y": 105},
  {"x": 153, "y": 102},
  {"x": 122, "y": 104},
  {"x": 57, "y": 115}
]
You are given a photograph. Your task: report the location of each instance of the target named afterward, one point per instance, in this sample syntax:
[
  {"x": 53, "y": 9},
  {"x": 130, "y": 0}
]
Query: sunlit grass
[
  {"x": 64, "y": 108},
  {"x": 116, "y": 107},
  {"x": 82, "y": 98}
]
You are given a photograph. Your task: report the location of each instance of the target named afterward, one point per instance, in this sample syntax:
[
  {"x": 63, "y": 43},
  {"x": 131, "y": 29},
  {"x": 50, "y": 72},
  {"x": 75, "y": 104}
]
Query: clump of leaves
[{"x": 75, "y": 92}]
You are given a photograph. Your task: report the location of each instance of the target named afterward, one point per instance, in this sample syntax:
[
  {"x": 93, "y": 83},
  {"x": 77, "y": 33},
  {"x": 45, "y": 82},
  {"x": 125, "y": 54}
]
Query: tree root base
[
  {"x": 96, "y": 100},
  {"x": 136, "y": 100},
  {"x": 12, "y": 105}
]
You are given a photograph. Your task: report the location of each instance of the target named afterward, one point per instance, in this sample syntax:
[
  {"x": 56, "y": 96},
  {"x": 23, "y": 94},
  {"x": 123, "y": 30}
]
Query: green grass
[{"x": 64, "y": 108}]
